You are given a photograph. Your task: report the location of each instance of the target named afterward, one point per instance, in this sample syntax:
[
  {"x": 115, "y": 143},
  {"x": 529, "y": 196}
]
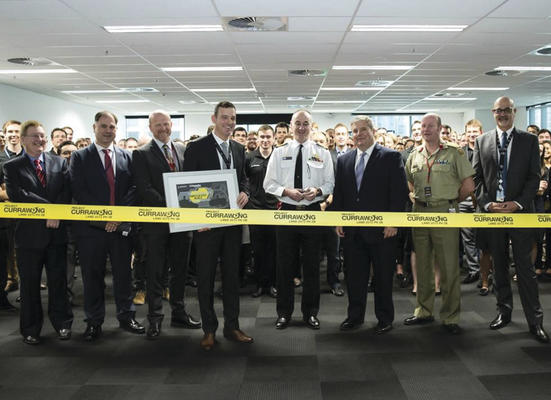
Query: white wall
[{"x": 24, "y": 105}]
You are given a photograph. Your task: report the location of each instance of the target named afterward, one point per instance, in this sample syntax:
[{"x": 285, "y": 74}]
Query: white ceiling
[{"x": 70, "y": 33}]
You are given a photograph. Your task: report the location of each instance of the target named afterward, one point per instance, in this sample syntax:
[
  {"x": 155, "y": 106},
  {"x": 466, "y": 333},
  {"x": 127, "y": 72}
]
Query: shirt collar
[
  {"x": 509, "y": 131},
  {"x": 368, "y": 151},
  {"x": 220, "y": 141},
  {"x": 40, "y": 157},
  {"x": 161, "y": 144},
  {"x": 100, "y": 148}
]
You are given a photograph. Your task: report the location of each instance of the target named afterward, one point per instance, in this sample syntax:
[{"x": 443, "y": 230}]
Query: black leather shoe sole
[
  {"x": 282, "y": 322},
  {"x": 413, "y": 320},
  {"x": 380, "y": 329},
  {"x": 182, "y": 323},
  {"x": 32, "y": 340}
]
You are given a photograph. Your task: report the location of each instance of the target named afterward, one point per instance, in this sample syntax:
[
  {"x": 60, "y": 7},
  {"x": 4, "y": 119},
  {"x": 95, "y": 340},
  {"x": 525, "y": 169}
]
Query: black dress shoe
[
  {"x": 383, "y": 328},
  {"x": 257, "y": 293},
  {"x": 92, "y": 333},
  {"x": 191, "y": 282},
  {"x": 484, "y": 291},
  {"x": 312, "y": 321},
  {"x": 500, "y": 321},
  {"x": 185, "y": 321},
  {"x": 471, "y": 277},
  {"x": 452, "y": 329},
  {"x": 31, "y": 339},
  {"x": 273, "y": 292},
  {"x": 154, "y": 330},
  {"x": 132, "y": 326},
  {"x": 337, "y": 290},
  {"x": 282, "y": 322},
  {"x": 64, "y": 334},
  {"x": 539, "y": 333},
  {"x": 350, "y": 325},
  {"x": 414, "y": 320}
]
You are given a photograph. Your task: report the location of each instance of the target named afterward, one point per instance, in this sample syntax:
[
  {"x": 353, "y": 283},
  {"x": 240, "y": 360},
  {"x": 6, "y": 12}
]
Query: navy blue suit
[
  {"x": 89, "y": 186},
  {"x": 383, "y": 188},
  {"x": 39, "y": 246}
]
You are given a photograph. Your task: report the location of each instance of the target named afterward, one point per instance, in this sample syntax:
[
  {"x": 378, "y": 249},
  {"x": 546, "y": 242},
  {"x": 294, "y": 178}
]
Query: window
[
  {"x": 540, "y": 115},
  {"x": 138, "y": 126}
]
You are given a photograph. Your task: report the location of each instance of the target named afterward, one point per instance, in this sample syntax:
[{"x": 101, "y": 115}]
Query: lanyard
[
  {"x": 503, "y": 150},
  {"x": 429, "y": 166},
  {"x": 227, "y": 161}
]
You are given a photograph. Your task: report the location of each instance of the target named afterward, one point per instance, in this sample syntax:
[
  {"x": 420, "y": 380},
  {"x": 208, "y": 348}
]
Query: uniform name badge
[{"x": 428, "y": 192}]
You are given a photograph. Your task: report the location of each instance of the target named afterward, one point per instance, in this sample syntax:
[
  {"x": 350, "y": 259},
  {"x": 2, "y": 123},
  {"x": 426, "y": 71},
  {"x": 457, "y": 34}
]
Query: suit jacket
[
  {"x": 89, "y": 182},
  {"x": 148, "y": 166},
  {"x": 523, "y": 169},
  {"x": 384, "y": 187},
  {"x": 201, "y": 155},
  {"x": 23, "y": 186}
]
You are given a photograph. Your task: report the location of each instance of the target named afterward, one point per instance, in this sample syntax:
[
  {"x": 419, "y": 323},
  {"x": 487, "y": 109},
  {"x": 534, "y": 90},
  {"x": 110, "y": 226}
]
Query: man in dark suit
[
  {"x": 214, "y": 152},
  {"x": 149, "y": 163},
  {"x": 39, "y": 177},
  {"x": 506, "y": 161},
  {"x": 372, "y": 178},
  {"x": 101, "y": 175}
]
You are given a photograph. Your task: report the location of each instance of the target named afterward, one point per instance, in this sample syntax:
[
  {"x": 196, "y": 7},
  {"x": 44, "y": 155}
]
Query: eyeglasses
[{"x": 507, "y": 110}]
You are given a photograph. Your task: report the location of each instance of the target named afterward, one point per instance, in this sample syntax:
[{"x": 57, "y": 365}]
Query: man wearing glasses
[{"x": 507, "y": 178}]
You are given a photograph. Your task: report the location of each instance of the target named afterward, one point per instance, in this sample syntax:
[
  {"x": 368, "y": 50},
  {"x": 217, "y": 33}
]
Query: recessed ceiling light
[
  {"x": 238, "y": 102},
  {"x": 506, "y": 68},
  {"x": 543, "y": 51},
  {"x": 339, "y": 101},
  {"x": 38, "y": 71},
  {"x": 92, "y": 91},
  {"x": 162, "y": 28},
  {"x": 450, "y": 98},
  {"x": 121, "y": 101},
  {"x": 200, "y": 69},
  {"x": 300, "y": 98},
  {"x": 374, "y": 67},
  {"x": 187, "y": 102},
  {"x": 408, "y": 28},
  {"x": 224, "y": 90},
  {"x": 374, "y": 89},
  {"x": 478, "y": 88}
]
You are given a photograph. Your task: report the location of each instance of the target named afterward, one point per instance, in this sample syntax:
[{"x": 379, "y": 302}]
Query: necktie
[
  {"x": 40, "y": 172},
  {"x": 504, "y": 155},
  {"x": 169, "y": 158},
  {"x": 298, "y": 169},
  {"x": 110, "y": 176},
  {"x": 224, "y": 147},
  {"x": 360, "y": 167}
]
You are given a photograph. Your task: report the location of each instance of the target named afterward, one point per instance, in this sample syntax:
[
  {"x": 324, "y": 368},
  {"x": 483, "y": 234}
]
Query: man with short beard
[{"x": 252, "y": 141}]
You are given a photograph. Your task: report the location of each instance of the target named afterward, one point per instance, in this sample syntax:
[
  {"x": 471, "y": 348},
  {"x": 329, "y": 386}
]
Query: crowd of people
[{"x": 292, "y": 166}]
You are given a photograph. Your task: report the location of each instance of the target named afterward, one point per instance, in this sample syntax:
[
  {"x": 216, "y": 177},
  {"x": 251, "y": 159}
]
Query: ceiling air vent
[
  {"x": 496, "y": 73},
  {"x": 257, "y": 24},
  {"x": 448, "y": 94},
  {"x": 544, "y": 51},
  {"x": 31, "y": 61},
  {"x": 307, "y": 72},
  {"x": 374, "y": 83}
]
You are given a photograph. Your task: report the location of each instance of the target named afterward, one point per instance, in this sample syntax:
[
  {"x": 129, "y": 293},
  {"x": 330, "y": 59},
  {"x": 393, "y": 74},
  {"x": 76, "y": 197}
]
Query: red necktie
[
  {"x": 40, "y": 172},
  {"x": 169, "y": 158},
  {"x": 110, "y": 176}
]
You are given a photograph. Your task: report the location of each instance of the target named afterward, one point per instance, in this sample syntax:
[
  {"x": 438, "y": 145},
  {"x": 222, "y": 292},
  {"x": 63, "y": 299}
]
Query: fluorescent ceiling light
[
  {"x": 92, "y": 91},
  {"x": 408, "y": 28},
  {"x": 238, "y": 102},
  {"x": 450, "y": 98},
  {"x": 200, "y": 69},
  {"x": 374, "y": 67},
  {"x": 163, "y": 28},
  {"x": 478, "y": 88},
  {"x": 418, "y": 111},
  {"x": 121, "y": 101},
  {"x": 38, "y": 71},
  {"x": 225, "y": 90},
  {"x": 522, "y": 68},
  {"x": 331, "y": 111},
  {"x": 340, "y": 101},
  {"x": 187, "y": 102},
  {"x": 374, "y": 89}
]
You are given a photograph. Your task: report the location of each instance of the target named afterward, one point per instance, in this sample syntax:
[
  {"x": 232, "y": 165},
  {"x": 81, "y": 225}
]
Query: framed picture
[{"x": 200, "y": 189}]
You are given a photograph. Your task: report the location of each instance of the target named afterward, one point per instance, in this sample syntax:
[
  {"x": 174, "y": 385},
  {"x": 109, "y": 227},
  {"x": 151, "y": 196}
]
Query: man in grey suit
[{"x": 506, "y": 161}]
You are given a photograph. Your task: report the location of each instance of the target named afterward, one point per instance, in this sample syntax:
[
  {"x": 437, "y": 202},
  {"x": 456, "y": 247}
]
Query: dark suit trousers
[
  {"x": 4, "y": 249},
  {"x": 224, "y": 243},
  {"x": 173, "y": 248},
  {"x": 290, "y": 240},
  {"x": 93, "y": 252},
  {"x": 263, "y": 239},
  {"x": 360, "y": 256},
  {"x": 522, "y": 240},
  {"x": 30, "y": 263},
  {"x": 330, "y": 246}
]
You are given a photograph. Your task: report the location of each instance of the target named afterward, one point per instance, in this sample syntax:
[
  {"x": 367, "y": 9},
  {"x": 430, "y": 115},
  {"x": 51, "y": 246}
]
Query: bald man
[{"x": 149, "y": 162}]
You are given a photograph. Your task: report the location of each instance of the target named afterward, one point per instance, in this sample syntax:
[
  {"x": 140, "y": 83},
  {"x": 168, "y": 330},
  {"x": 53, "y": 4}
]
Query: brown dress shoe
[
  {"x": 238, "y": 335},
  {"x": 207, "y": 343}
]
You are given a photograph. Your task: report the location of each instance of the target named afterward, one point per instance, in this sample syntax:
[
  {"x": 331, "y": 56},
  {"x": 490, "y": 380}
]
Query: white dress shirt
[
  {"x": 111, "y": 154},
  {"x": 317, "y": 171},
  {"x": 366, "y": 158},
  {"x": 220, "y": 159}
]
